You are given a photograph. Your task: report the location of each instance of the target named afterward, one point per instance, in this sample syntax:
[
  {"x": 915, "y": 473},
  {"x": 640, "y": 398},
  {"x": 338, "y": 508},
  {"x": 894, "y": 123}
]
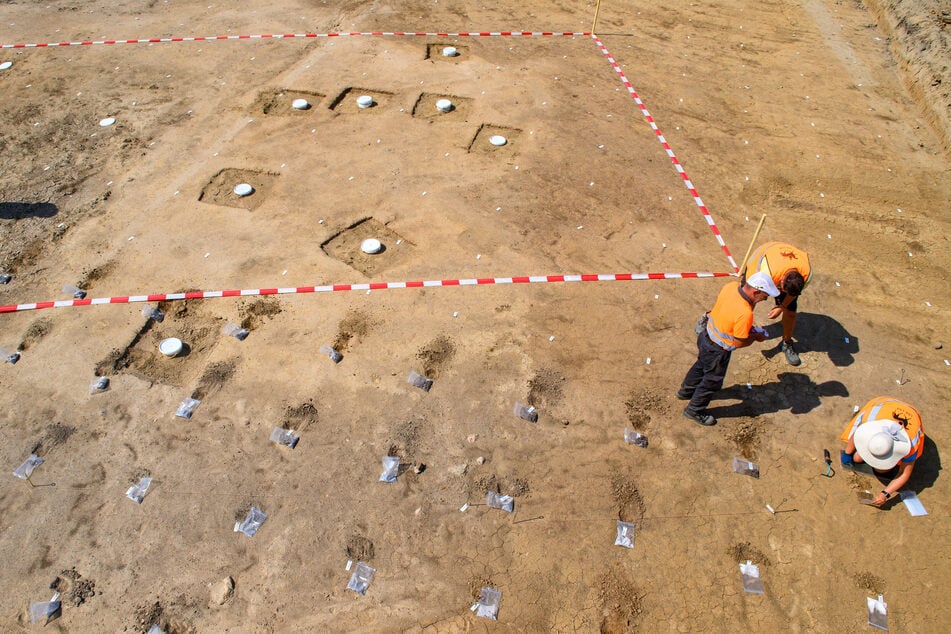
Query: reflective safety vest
[
  {"x": 885, "y": 408},
  {"x": 776, "y": 259},
  {"x": 731, "y": 317}
]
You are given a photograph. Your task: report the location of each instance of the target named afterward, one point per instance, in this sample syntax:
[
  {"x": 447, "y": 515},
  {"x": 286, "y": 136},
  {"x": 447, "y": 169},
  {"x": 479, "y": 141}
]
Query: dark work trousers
[{"x": 706, "y": 376}]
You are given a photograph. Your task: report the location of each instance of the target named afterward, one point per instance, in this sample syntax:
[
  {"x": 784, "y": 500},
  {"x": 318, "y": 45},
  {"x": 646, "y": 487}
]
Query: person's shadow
[
  {"x": 817, "y": 333},
  {"x": 793, "y": 391},
  {"x": 926, "y": 468},
  {"x": 923, "y": 477},
  {"x": 18, "y": 211}
]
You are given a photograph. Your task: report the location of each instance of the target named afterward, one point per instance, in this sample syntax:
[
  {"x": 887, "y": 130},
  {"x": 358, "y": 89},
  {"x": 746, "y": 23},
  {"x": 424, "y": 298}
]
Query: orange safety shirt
[
  {"x": 885, "y": 408},
  {"x": 776, "y": 259},
  {"x": 731, "y": 317}
]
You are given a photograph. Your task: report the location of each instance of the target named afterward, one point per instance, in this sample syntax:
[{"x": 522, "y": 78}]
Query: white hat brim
[{"x": 865, "y": 432}]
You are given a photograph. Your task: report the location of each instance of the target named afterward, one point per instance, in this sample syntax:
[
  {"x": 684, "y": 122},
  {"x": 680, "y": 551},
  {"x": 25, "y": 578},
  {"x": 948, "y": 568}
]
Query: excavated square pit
[
  {"x": 280, "y": 103},
  {"x": 480, "y": 142},
  {"x": 220, "y": 188},
  {"x": 346, "y": 101},
  {"x": 345, "y": 247},
  {"x": 425, "y": 107}
]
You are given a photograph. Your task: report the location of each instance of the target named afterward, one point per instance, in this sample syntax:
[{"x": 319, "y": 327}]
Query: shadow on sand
[
  {"x": 18, "y": 211},
  {"x": 793, "y": 391},
  {"x": 817, "y": 333}
]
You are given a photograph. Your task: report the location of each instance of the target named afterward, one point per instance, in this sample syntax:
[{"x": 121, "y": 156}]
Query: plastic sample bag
[
  {"x": 153, "y": 313},
  {"x": 251, "y": 523},
  {"x": 625, "y": 534},
  {"x": 234, "y": 330},
  {"x": 418, "y": 380},
  {"x": 912, "y": 503},
  {"x": 42, "y": 611},
  {"x": 25, "y": 470},
  {"x": 9, "y": 357},
  {"x": 496, "y": 501},
  {"x": 525, "y": 412},
  {"x": 488, "y": 604},
  {"x": 745, "y": 467},
  {"x": 187, "y": 407},
  {"x": 751, "y": 580},
  {"x": 331, "y": 352},
  {"x": 635, "y": 438},
  {"x": 361, "y": 578},
  {"x": 391, "y": 466},
  {"x": 285, "y": 437},
  {"x": 137, "y": 491},
  {"x": 76, "y": 292},
  {"x": 99, "y": 384},
  {"x": 877, "y": 612}
]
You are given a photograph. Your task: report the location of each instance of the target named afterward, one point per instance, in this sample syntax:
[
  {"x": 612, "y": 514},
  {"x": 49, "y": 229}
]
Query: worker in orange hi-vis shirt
[
  {"x": 789, "y": 269},
  {"x": 886, "y": 434},
  {"x": 728, "y": 327}
]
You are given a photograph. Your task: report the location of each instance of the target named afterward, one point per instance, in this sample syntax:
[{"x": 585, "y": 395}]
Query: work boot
[
  {"x": 685, "y": 394},
  {"x": 704, "y": 419},
  {"x": 792, "y": 358},
  {"x": 701, "y": 323}
]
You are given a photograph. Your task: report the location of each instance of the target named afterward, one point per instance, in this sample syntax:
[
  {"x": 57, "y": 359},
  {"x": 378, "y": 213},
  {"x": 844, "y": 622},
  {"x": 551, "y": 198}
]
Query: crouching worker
[{"x": 887, "y": 435}]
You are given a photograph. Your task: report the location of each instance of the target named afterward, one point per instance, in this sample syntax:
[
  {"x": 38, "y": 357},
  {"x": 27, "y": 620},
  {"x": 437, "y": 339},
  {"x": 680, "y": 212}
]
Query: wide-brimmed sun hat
[
  {"x": 762, "y": 282},
  {"x": 881, "y": 443}
]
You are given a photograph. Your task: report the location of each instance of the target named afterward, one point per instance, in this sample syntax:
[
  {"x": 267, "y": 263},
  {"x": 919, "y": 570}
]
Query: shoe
[
  {"x": 846, "y": 460},
  {"x": 792, "y": 358},
  {"x": 684, "y": 394},
  {"x": 701, "y": 323},
  {"x": 704, "y": 419}
]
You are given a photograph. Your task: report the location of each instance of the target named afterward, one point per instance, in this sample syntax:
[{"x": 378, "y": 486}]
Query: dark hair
[{"x": 793, "y": 283}]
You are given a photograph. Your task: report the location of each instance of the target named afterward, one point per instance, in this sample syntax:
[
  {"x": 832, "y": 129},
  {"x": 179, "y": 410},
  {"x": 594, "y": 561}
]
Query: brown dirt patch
[
  {"x": 620, "y": 601},
  {"x": 870, "y": 582},
  {"x": 546, "y": 388},
  {"x": 630, "y": 504},
  {"x": 741, "y": 552},
  {"x": 34, "y": 332},
  {"x": 745, "y": 433},
  {"x": 352, "y": 327},
  {"x": 254, "y": 313},
  {"x": 73, "y": 588},
  {"x": 359, "y": 548},
  {"x": 301, "y": 417},
  {"x": 436, "y": 356}
]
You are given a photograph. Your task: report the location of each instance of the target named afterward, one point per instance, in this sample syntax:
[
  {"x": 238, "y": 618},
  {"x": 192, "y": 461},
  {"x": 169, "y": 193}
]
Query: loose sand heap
[{"x": 801, "y": 112}]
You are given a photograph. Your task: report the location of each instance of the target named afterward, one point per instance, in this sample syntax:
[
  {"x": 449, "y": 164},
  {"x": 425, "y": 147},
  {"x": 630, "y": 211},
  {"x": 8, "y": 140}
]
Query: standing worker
[
  {"x": 887, "y": 435},
  {"x": 789, "y": 269},
  {"x": 728, "y": 327}
]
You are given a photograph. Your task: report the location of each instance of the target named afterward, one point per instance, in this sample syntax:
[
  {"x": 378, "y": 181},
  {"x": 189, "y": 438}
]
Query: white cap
[{"x": 762, "y": 282}]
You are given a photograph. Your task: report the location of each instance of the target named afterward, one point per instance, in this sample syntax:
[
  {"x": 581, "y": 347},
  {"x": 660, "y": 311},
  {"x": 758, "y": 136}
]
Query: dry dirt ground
[{"x": 801, "y": 111}]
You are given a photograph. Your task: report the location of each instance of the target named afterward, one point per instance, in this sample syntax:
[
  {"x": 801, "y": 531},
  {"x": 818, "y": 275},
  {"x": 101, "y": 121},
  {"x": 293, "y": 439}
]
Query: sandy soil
[{"x": 799, "y": 111}]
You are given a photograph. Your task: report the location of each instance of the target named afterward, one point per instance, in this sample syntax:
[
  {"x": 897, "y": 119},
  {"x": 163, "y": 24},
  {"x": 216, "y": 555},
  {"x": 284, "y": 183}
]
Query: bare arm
[{"x": 904, "y": 473}]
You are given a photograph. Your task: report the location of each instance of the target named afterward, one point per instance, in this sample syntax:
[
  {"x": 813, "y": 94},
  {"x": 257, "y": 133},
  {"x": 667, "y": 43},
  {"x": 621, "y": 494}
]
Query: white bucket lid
[
  {"x": 243, "y": 189},
  {"x": 450, "y": 51},
  {"x": 171, "y": 346},
  {"x": 371, "y": 245},
  {"x": 444, "y": 105},
  {"x": 108, "y": 121},
  {"x": 364, "y": 101},
  {"x": 300, "y": 104},
  {"x": 5, "y": 65},
  {"x": 497, "y": 139}
]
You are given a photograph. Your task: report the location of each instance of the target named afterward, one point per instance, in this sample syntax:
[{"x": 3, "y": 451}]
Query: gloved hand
[{"x": 846, "y": 459}]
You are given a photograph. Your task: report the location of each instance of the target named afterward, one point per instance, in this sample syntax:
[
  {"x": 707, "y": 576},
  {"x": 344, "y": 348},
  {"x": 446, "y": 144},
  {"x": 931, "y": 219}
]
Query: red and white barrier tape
[
  {"x": 288, "y": 36},
  {"x": 370, "y": 286},
  {"x": 670, "y": 152}
]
